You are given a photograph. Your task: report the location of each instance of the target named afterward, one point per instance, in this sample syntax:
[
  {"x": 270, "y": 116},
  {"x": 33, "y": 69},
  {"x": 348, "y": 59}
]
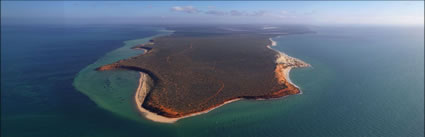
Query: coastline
[
  {"x": 289, "y": 62},
  {"x": 284, "y": 64},
  {"x": 141, "y": 93},
  {"x": 92, "y": 84}
]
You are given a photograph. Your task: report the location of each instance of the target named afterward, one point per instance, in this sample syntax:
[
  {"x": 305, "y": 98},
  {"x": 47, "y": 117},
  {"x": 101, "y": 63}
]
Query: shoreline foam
[{"x": 145, "y": 84}]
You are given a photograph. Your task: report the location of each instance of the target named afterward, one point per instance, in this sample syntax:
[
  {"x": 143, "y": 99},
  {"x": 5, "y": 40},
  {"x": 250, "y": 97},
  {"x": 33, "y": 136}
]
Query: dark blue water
[
  {"x": 365, "y": 81},
  {"x": 38, "y": 65}
]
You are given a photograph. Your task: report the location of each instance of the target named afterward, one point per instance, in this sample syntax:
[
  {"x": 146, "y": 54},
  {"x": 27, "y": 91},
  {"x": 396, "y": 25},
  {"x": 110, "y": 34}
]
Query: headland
[{"x": 196, "y": 70}]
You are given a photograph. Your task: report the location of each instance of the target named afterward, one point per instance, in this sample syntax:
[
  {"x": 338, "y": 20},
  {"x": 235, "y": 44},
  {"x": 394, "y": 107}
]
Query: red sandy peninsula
[{"x": 190, "y": 73}]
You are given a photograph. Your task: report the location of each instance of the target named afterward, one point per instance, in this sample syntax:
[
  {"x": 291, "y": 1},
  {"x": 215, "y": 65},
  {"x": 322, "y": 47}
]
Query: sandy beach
[
  {"x": 289, "y": 62},
  {"x": 141, "y": 93}
]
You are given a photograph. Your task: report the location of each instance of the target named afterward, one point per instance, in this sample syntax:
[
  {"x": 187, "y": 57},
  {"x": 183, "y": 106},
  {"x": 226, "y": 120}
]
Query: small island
[{"x": 197, "y": 69}]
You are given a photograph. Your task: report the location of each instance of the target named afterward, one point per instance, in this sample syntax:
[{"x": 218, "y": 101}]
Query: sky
[{"x": 210, "y": 12}]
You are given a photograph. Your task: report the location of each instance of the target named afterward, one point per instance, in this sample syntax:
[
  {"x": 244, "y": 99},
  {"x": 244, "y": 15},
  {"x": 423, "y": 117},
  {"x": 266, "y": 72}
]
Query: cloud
[
  {"x": 312, "y": 12},
  {"x": 237, "y": 13},
  {"x": 284, "y": 12},
  {"x": 211, "y": 7},
  {"x": 258, "y": 13},
  {"x": 213, "y": 11},
  {"x": 186, "y": 9},
  {"x": 216, "y": 12}
]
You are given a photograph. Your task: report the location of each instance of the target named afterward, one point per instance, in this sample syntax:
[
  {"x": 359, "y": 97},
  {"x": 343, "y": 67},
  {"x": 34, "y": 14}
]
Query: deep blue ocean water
[{"x": 365, "y": 81}]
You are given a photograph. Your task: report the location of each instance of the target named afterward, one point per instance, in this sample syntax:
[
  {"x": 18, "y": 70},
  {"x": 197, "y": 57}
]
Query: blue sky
[{"x": 273, "y": 12}]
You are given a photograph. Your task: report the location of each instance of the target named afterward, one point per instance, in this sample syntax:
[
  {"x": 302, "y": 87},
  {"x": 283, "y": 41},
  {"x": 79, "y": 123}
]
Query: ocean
[{"x": 364, "y": 81}]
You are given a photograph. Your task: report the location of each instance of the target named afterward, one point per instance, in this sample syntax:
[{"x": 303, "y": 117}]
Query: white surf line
[{"x": 289, "y": 62}]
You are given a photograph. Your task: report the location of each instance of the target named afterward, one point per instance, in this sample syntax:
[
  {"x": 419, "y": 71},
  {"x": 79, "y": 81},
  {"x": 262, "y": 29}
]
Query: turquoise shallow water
[
  {"x": 114, "y": 90},
  {"x": 365, "y": 81},
  {"x": 372, "y": 81}
]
